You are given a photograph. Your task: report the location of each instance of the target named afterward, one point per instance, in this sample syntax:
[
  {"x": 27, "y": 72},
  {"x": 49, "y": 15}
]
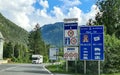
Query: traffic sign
[
  {"x": 73, "y": 41},
  {"x": 70, "y": 34},
  {"x": 53, "y": 52},
  {"x": 91, "y": 43},
  {"x": 71, "y": 53}
]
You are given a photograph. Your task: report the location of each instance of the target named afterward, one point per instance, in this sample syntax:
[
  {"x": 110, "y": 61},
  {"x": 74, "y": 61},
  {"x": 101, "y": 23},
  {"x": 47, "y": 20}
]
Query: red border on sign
[
  {"x": 70, "y": 33},
  {"x": 66, "y": 55},
  {"x": 73, "y": 40}
]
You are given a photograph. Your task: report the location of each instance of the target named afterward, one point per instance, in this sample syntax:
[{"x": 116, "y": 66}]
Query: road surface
[{"x": 23, "y": 69}]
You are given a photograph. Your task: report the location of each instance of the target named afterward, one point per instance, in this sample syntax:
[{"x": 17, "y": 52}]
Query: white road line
[
  {"x": 8, "y": 68},
  {"x": 47, "y": 70}
]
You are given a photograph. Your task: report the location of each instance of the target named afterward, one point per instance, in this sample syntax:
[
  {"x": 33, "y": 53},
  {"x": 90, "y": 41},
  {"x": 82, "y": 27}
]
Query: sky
[{"x": 27, "y": 13}]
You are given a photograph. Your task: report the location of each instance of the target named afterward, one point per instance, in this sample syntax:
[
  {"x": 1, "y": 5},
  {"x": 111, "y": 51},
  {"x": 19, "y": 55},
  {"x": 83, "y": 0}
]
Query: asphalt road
[{"x": 23, "y": 69}]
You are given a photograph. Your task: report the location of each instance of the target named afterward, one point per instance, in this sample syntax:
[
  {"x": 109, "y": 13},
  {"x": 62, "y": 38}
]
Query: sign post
[
  {"x": 98, "y": 67},
  {"x": 85, "y": 67},
  {"x": 70, "y": 40}
]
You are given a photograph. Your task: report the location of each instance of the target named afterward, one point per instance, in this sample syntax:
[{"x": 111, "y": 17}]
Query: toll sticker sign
[{"x": 91, "y": 43}]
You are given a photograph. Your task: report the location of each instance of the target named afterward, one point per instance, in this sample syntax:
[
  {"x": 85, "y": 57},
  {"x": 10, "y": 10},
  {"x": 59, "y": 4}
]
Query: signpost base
[
  {"x": 98, "y": 67},
  {"x": 66, "y": 66},
  {"x": 84, "y": 67}
]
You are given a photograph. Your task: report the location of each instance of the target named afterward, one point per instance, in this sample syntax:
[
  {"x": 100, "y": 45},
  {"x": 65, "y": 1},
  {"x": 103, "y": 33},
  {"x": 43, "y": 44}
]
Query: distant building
[{"x": 1, "y": 45}]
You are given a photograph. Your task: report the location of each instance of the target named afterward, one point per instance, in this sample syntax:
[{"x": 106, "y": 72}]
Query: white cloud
[
  {"x": 58, "y": 12},
  {"x": 91, "y": 14},
  {"x": 70, "y": 3},
  {"x": 75, "y": 13},
  {"x": 17, "y": 11},
  {"x": 44, "y": 3},
  {"x": 26, "y": 16}
]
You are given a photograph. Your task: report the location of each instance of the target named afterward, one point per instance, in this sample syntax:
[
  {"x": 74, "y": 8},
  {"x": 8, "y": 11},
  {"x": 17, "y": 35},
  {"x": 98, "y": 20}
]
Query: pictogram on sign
[
  {"x": 73, "y": 40},
  {"x": 70, "y": 33},
  {"x": 66, "y": 55}
]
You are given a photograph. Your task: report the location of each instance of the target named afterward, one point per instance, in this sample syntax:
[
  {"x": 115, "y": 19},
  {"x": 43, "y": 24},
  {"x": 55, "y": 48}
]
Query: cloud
[
  {"x": 44, "y": 3},
  {"x": 83, "y": 18},
  {"x": 75, "y": 13},
  {"x": 17, "y": 11},
  {"x": 25, "y": 15},
  {"x": 57, "y": 12},
  {"x": 91, "y": 15},
  {"x": 70, "y": 3}
]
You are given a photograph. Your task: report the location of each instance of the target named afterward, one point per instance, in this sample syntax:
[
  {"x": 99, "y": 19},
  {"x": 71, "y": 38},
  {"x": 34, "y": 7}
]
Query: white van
[{"x": 37, "y": 59}]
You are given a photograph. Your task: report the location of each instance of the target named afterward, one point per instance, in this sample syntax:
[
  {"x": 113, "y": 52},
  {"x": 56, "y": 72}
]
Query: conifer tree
[{"x": 35, "y": 41}]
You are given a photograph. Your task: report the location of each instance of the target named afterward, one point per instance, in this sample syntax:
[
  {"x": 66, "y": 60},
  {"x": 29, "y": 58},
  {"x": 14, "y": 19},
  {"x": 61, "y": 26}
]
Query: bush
[{"x": 112, "y": 55}]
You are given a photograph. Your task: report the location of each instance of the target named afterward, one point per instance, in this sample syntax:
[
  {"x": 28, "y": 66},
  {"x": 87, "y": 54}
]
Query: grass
[
  {"x": 112, "y": 74},
  {"x": 61, "y": 70},
  {"x": 55, "y": 69}
]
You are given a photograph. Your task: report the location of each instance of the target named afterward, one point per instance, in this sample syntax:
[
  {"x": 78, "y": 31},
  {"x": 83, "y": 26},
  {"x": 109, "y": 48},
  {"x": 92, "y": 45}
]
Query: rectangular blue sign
[
  {"x": 68, "y": 26},
  {"x": 91, "y": 43}
]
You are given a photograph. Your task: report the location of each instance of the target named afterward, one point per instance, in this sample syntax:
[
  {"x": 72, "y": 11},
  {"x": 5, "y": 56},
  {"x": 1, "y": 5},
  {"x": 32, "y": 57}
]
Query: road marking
[
  {"x": 47, "y": 70},
  {"x": 8, "y": 68}
]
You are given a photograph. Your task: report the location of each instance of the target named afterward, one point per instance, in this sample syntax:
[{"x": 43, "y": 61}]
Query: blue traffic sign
[
  {"x": 91, "y": 43},
  {"x": 70, "y": 34}
]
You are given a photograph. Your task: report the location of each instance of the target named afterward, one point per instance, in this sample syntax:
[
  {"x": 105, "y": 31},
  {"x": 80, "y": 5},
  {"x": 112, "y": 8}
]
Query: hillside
[
  {"x": 53, "y": 34},
  {"x": 12, "y": 32}
]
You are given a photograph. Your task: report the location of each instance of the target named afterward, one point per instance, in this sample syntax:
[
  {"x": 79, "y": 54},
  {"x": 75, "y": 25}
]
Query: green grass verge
[
  {"x": 58, "y": 69},
  {"x": 112, "y": 74},
  {"x": 61, "y": 70}
]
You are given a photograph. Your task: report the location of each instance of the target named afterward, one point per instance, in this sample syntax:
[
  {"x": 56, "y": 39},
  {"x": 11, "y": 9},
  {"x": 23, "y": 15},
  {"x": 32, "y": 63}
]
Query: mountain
[
  {"x": 53, "y": 34},
  {"x": 11, "y": 32}
]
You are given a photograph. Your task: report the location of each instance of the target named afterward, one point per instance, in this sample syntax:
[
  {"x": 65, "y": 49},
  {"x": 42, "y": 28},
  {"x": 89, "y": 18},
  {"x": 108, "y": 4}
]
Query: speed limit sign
[
  {"x": 73, "y": 41},
  {"x": 70, "y": 33}
]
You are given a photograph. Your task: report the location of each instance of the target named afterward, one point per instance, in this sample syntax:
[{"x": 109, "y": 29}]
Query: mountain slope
[
  {"x": 12, "y": 32},
  {"x": 53, "y": 34}
]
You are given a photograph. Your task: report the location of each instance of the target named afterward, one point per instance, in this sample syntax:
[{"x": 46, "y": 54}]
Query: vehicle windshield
[{"x": 34, "y": 58}]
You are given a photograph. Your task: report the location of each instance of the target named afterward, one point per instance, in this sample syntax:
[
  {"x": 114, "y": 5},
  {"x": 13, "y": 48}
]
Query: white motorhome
[{"x": 37, "y": 59}]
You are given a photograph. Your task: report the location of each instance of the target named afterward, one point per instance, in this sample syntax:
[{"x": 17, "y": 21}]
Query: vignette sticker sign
[{"x": 91, "y": 43}]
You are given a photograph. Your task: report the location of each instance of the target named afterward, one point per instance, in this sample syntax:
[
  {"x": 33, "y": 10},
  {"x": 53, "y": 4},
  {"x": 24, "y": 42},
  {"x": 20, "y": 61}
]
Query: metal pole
[
  {"x": 85, "y": 67},
  {"x": 98, "y": 67},
  {"x": 57, "y": 58},
  {"x": 75, "y": 66},
  {"x": 66, "y": 66}
]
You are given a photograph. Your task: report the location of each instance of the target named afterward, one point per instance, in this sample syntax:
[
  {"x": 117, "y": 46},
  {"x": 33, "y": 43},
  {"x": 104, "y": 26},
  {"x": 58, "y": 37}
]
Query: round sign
[
  {"x": 65, "y": 55},
  {"x": 75, "y": 55},
  {"x": 70, "y": 54},
  {"x": 70, "y": 33},
  {"x": 73, "y": 40}
]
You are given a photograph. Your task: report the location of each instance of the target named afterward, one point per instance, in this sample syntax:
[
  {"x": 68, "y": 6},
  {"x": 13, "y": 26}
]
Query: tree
[
  {"x": 109, "y": 16},
  {"x": 8, "y": 50},
  {"x": 112, "y": 54},
  {"x": 36, "y": 43},
  {"x": 16, "y": 50}
]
